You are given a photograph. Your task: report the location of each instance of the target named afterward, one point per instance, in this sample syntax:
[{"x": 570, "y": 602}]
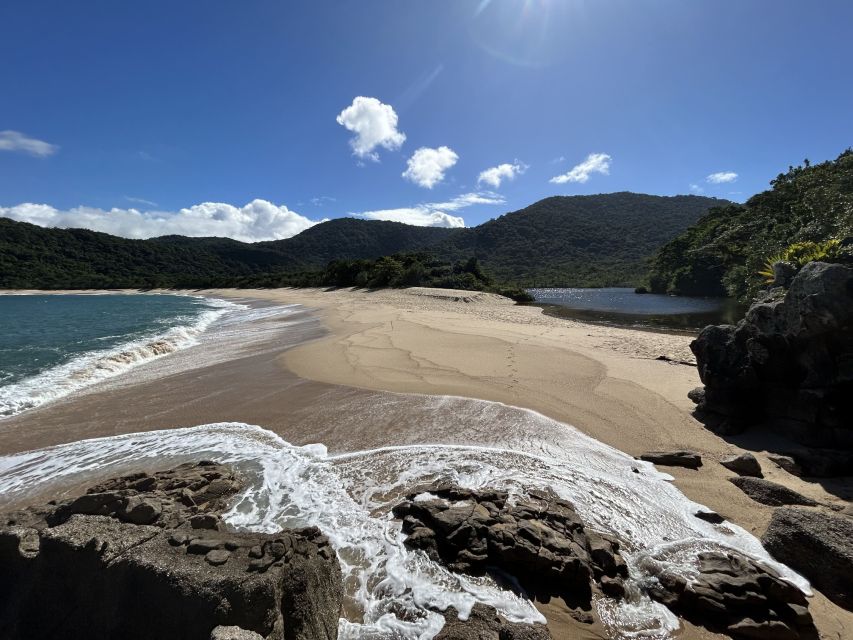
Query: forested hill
[
  {"x": 805, "y": 215},
  {"x": 599, "y": 240},
  {"x": 577, "y": 240}
]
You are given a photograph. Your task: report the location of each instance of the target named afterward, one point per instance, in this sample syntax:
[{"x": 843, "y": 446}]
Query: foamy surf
[
  {"x": 393, "y": 592},
  {"x": 95, "y": 366}
]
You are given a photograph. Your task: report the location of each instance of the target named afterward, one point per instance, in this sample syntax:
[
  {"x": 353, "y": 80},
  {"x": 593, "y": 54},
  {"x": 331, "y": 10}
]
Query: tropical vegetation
[{"x": 807, "y": 214}]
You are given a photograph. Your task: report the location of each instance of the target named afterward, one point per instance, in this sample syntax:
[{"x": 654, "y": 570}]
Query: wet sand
[{"x": 605, "y": 381}]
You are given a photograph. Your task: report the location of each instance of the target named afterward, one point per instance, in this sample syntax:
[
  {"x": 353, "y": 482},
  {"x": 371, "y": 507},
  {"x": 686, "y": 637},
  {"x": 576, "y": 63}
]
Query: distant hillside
[
  {"x": 353, "y": 239},
  {"x": 723, "y": 252},
  {"x": 571, "y": 241},
  {"x": 600, "y": 240}
]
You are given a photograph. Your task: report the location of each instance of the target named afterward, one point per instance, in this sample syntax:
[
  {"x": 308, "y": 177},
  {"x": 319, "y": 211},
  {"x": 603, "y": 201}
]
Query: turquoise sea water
[{"x": 51, "y": 345}]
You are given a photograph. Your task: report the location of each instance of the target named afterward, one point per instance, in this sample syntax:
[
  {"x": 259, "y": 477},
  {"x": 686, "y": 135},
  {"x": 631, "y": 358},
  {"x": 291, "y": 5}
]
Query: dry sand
[{"x": 606, "y": 381}]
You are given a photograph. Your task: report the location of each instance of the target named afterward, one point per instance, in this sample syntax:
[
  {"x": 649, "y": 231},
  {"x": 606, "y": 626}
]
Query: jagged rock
[
  {"x": 732, "y": 594},
  {"x": 770, "y": 493},
  {"x": 818, "y": 545},
  {"x": 788, "y": 363},
  {"x": 688, "y": 459},
  {"x": 234, "y": 633},
  {"x": 485, "y": 624},
  {"x": 745, "y": 465},
  {"x": 786, "y": 463},
  {"x": 540, "y": 541},
  {"x": 88, "y": 568}
]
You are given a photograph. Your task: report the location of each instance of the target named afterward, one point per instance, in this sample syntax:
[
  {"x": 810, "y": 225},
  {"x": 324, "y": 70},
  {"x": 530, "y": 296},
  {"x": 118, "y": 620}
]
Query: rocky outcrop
[
  {"x": 788, "y": 363},
  {"x": 745, "y": 464},
  {"x": 770, "y": 493},
  {"x": 818, "y": 545},
  {"x": 542, "y": 541},
  {"x": 687, "y": 459},
  {"x": 733, "y": 594},
  {"x": 147, "y": 556}
]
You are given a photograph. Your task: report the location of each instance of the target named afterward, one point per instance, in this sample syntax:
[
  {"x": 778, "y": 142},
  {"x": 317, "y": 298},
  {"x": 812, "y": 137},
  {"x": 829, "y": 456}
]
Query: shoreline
[{"x": 603, "y": 380}]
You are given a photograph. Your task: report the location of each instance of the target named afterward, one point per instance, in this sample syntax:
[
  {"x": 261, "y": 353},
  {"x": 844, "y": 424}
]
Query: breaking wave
[{"x": 97, "y": 365}]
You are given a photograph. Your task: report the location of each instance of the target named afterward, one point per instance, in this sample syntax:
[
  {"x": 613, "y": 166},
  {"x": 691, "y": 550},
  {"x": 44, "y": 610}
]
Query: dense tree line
[
  {"x": 726, "y": 251},
  {"x": 561, "y": 241}
]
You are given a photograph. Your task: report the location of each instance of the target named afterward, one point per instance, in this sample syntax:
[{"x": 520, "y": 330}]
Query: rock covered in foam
[
  {"x": 127, "y": 560},
  {"x": 540, "y": 541},
  {"x": 484, "y": 624},
  {"x": 733, "y": 594}
]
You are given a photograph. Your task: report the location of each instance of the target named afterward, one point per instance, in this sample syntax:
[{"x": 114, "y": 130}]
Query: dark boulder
[
  {"x": 123, "y": 561},
  {"x": 541, "y": 541},
  {"x": 818, "y": 545},
  {"x": 733, "y": 594},
  {"x": 745, "y": 465},
  {"x": 770, "y": 493},
  {"x": 687, "y": 459},
  {"x": 788, "y": 363}
]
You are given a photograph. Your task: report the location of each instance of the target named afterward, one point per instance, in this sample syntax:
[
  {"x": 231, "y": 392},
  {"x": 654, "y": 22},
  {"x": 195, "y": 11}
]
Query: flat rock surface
[
  {"x": 688, "y": 459},
  {"x": 124, "y": 561},
  {"x": 770, "y": 493},
  {"x": 818, "y": 545}
]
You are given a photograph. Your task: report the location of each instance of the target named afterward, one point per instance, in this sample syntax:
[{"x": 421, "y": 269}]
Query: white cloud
[
  {"x": 140, "y": 201},
  {"x": 374, "y": 125},
  {"x": 433, "y": 214},
  {"x": 427, "y": 166},
  {"x": 495, "y": 175},
  {"x": 17, "y": 141},
  {"x": 721, "y": 177},
  {"x": 258, "y": 220},
  {"x": 419, "y": 216},
  {"x": 695, "y": 188},
  {"x": 594, "y": 163}
]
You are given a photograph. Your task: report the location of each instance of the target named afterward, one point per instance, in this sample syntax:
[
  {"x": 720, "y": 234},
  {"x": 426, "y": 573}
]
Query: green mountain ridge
[{"x": 597, "y": 240}]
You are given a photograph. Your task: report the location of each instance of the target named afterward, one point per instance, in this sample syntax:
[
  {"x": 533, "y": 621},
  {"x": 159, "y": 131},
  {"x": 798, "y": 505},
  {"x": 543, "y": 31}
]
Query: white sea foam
[
  {"x": 96, "y": 366},
  {"x": 393, "y": 592}
]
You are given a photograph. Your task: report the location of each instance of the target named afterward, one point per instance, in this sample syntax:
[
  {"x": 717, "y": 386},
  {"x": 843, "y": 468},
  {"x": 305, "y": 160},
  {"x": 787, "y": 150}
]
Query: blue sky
[{"x": 129, "y": 116}]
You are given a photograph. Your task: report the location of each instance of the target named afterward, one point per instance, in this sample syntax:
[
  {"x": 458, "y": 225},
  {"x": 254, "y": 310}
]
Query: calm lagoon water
[{"x": 620, "y": 305}]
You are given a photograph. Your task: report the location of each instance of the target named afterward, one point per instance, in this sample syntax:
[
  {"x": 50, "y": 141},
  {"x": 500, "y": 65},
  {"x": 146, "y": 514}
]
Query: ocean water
[{"x": 53, "y": 345}]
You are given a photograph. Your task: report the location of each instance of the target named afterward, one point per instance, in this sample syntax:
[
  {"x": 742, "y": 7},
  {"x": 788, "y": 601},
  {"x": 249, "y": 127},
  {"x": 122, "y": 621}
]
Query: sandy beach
[{"x": 626, "y": 388}]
